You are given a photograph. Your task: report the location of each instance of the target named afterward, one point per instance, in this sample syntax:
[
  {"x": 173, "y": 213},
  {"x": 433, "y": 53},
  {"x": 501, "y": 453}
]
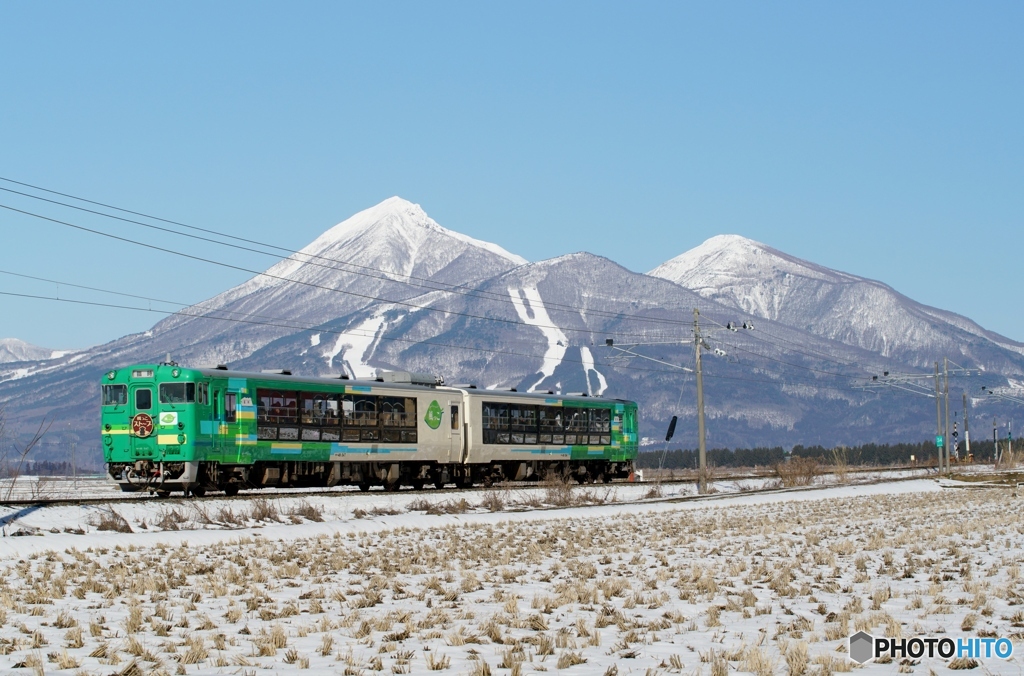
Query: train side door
[
  {"x": 456, "y": 440},
  {"x": 142, "y": 412}
]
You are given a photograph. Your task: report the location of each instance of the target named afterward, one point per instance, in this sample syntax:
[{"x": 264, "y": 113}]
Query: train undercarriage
[{"x": 198, "y": 478}]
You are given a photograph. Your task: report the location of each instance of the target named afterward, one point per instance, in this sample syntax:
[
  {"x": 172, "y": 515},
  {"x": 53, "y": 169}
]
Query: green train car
[{"x": 167, "y": 428}]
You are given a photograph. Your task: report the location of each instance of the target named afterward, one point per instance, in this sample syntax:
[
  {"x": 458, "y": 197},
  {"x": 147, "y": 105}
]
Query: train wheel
[
  {"x": 439, "y": 485},
  {"x": 364, "y": 487},
  {"x": 418, "y": 485},
  {"x": 231, "y": 490},
  {"x": 163, "y": 494},
  {"x": 464, "y": 482},
  {"x": 198, "y": 491},
  {"x": 392, "y": 486},
  {"x": 604, "y": 477}
]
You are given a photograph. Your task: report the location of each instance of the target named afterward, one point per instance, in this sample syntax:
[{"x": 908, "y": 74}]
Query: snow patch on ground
[{"x": 747, "y": 583}]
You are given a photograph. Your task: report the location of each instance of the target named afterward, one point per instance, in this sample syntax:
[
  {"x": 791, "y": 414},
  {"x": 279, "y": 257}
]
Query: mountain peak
[{"x": 399, "y": 218}]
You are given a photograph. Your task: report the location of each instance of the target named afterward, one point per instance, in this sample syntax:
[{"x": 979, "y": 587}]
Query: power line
[
  {"x": 432, "y": 285},
  {"x": 302, "y": 283}
]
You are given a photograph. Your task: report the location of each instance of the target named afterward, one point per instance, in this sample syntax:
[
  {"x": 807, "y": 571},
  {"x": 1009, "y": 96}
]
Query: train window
[
  {"x": 276, "y": 407},
  {"x": 455, "y": 417},
  {"x": 576, "y": 420},
  {"x": 330, "y": 435},
  {"x": 288, "y": 433},
  {"x": 524, "y": 424},
  {"x": 266, "y": 432},
  {"x": 216, "y": 404},
  {"x": 115, "y": 395},
  {"x": 398, "y": 412},
  {"x": 319, "y": 409},
  {"x": 143, "y": 399},
  {"x": 600, "y": 420},
  {"x": 359, "y": 411},
  {"x": 495, "y": 423},
  {"x": 203, "y": 393},
  {"x": 230, "y": 398},
  {"x": 177, "y": 393}
]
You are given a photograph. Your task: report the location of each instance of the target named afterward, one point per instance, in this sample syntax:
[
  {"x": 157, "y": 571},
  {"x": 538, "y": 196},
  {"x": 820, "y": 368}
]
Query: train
[{"x": 166, "y": 428}]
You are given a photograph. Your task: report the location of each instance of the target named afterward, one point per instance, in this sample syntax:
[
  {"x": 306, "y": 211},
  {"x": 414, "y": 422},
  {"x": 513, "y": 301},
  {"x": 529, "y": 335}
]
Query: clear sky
[{"x": 878, "y": 138}]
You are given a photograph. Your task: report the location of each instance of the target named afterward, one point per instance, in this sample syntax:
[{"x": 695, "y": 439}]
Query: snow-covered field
[{"x": 762, "y": 583}]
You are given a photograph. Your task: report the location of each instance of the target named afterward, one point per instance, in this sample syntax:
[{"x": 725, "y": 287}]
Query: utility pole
[
  {"x": 967, "y": 433},
  {"x": 702, "y": 486},
  {"x": 938, "y": 415},
  {"x": 995, "y": 443},
  {"x": 945, "y": 372}
]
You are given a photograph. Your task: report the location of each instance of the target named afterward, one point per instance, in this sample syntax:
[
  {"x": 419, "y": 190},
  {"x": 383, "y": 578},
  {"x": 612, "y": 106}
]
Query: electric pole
[
  {"x": 995, "y": 443},
  {"x": 945, "y": 373},
  {"x": 702, "y": 486},
  {"x": 967, "y": 433},
  {"x": 938, "y": 415}
]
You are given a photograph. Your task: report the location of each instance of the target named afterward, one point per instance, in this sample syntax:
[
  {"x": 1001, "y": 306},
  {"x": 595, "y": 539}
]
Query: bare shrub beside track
[
  {"x": 264, "y": 510},
  {"x": 109, "y": 519},
  {"x": 797, "y": 472}
]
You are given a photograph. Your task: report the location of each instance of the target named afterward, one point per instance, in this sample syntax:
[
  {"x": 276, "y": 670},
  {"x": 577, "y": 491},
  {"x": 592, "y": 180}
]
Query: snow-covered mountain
[
  {"x": 766, "y": 283},
  {"x": 14, "y": 350},
  {"x": 389, "y": 288}
]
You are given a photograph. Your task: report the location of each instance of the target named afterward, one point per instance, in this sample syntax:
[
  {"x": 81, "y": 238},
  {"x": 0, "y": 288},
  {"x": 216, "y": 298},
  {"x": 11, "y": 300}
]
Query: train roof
[{"x": 471, "y": 390}]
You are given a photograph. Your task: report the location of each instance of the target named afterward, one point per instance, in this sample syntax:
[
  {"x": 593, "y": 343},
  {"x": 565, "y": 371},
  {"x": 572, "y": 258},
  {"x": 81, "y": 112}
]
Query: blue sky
[{"x": 882, "y": 139}]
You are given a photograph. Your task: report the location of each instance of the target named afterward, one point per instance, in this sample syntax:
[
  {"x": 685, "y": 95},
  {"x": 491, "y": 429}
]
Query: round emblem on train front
[{"x": 142, "y": 425}]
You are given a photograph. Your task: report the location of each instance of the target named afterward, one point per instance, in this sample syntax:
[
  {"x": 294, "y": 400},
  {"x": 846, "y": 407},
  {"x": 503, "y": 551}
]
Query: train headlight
[
  {"x": 175, "y": 373},
  {"x": 181, "y": 438},
  {"x": 111, "y": 374}
]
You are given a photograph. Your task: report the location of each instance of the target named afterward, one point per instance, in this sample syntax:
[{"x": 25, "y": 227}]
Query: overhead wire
[
  {"x": 430, "y": 284},
  {"x": 364, "y": 296}
]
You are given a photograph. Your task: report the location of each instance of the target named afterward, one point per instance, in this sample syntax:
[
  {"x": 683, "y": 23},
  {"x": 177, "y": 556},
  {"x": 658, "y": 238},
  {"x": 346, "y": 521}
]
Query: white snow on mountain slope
[
  {"x": 12, "y": 349},
  {"x": 531, "y": 311},
  {"x": 588, "y": 367},
  {"x": 768, "y": 283},
  {"x": 391, "y": 233},
  {"x": 356, "y": 347}
]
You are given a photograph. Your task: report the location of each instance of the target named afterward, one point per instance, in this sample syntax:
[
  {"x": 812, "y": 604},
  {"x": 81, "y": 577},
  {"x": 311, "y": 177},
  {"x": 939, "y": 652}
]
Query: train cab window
[
  {"x": 203, "y": 393},
  {"x": 455, "y": 417},
  {"x": 177, "y": 393},
  {"x": 143, "y": 399},
  {"x": 230, "y": 399},
  {"x": 115, "y": 395}
]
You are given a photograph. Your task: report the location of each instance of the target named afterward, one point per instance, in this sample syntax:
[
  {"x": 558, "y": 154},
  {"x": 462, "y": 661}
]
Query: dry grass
[
  {"x": 520, "y": 597},
  {"x": 109, "y": 519},
  {"x": 797, "y": 471}
]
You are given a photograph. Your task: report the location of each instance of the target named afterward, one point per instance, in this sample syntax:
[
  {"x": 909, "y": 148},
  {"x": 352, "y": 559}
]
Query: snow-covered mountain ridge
[{"x": 389, "y": 288}]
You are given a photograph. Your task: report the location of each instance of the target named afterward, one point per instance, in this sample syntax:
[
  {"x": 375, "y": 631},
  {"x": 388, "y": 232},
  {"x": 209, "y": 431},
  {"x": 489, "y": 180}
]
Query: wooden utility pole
[
  {"x": 938, "y": 415},
  {"x": 945, "y": 440},
  {"x": 702, "y": 486}
]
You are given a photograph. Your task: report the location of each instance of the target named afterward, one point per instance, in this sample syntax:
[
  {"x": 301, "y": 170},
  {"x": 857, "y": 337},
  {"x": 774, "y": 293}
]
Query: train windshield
[
  {"x": 177, "y": 393},
  {"x": 115, "y": 395}
]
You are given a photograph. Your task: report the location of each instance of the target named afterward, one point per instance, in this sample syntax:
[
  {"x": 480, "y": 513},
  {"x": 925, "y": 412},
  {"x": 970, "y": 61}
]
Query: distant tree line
[
  {"x": 866, "y": 454},
  {"x": 44, "y": 468}
]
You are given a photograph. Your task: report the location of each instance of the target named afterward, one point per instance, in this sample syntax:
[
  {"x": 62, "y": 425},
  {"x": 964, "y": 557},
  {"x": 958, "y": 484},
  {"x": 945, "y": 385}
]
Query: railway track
[{"x": 342, "y": 491}]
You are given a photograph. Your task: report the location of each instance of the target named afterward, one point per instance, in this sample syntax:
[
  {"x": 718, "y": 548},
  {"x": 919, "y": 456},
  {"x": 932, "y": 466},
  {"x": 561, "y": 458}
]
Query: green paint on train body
[{"x": 167, "y": 413}]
